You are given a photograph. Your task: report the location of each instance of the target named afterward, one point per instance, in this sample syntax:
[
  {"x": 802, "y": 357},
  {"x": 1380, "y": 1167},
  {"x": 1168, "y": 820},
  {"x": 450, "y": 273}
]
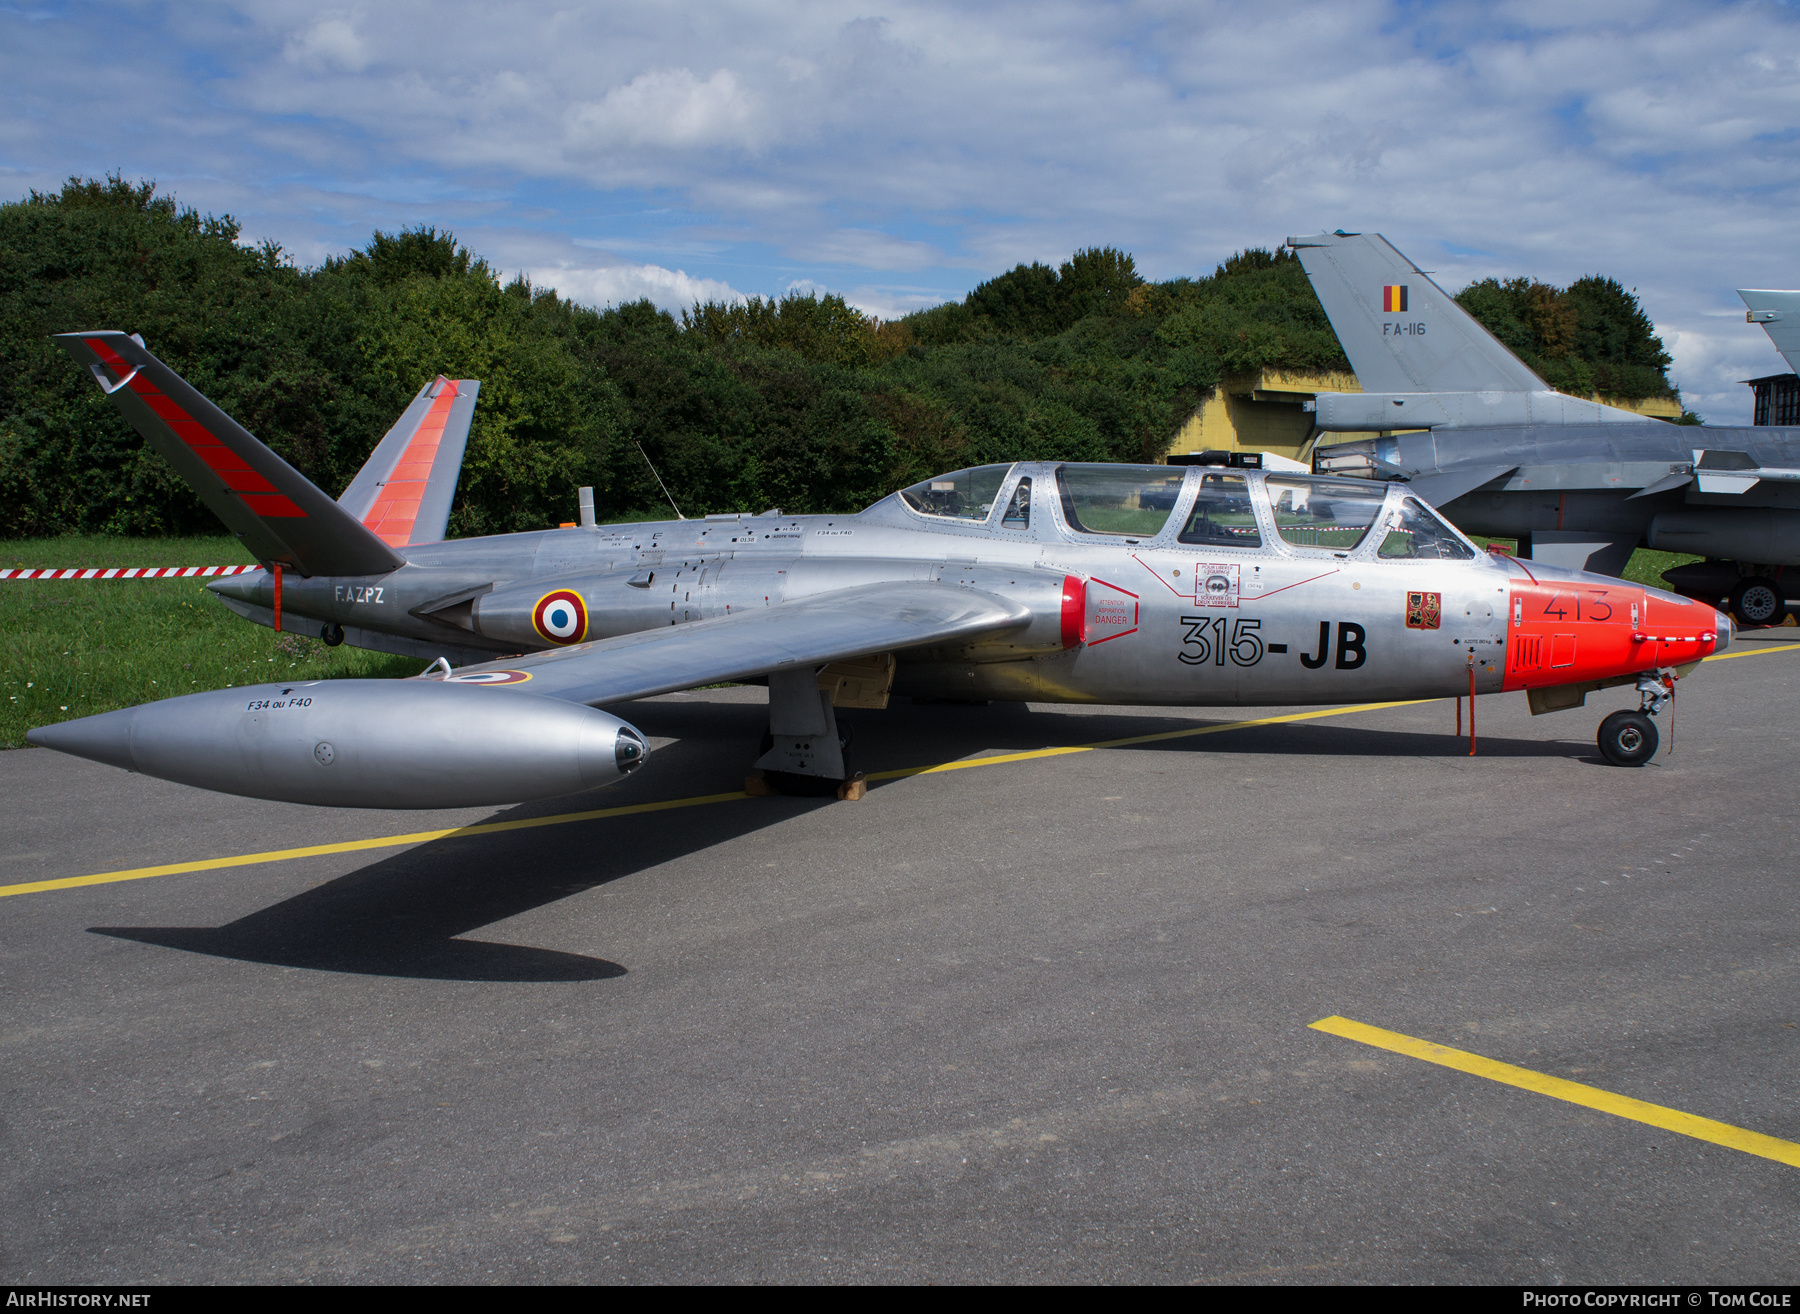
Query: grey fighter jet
[
  {"x": 1578, "y": 484},
  {"x": 1040, "y": 581}
]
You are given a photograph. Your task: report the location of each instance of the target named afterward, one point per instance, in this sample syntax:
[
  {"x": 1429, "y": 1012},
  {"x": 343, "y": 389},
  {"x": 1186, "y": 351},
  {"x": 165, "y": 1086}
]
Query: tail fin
[
  {"x": 1779, "y": 314},
  {"x": 271, "y": 506},
  {"x": 1402, "y": 332},
  {"x": 403, "y": 493}
]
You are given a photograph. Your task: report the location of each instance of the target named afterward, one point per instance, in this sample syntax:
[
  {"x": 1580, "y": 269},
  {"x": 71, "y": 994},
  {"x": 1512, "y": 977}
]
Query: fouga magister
[{"x": 1148, "y": 585}]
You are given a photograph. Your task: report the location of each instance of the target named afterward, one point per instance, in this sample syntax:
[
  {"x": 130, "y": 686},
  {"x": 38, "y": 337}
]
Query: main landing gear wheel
[
  {"x": 332, "y": 634},
  {"x": 1758, "y": 600},
  {"x": 1628, "y": 739}
]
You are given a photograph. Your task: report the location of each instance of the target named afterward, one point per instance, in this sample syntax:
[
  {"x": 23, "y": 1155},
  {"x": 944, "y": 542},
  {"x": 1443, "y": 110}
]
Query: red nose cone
[{"x": 1591, "y": 628}]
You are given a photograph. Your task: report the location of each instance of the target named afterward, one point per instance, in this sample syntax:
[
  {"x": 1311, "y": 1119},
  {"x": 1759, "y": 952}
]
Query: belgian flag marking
[{"x": 1393, "y": 299}]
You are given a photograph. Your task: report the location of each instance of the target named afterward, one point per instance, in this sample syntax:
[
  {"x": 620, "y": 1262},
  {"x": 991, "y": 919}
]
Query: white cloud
[
  {"x": 869, "y": 248},
  {"x": 943, "y": 142},
  {"x": 668, "y": 108},
  {"x": 1712, "y": 360},
  {"x": 331, "y": 44},
  {"x": 673, "y": 290}
]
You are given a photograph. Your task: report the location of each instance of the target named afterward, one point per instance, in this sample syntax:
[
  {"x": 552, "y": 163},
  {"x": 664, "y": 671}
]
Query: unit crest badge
[{"x": 1424, "y": 611}]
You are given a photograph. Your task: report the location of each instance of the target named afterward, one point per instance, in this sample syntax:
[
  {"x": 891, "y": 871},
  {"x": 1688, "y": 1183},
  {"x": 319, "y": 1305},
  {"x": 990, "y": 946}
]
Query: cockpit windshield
[
  {"x": 1132, "y": 500},
  {"x": 1416, "y": 534},
  {"x": 1222, "y": 516},
  {"x": 1324, "y": 513},
  {"x": 959, "y": 495}
]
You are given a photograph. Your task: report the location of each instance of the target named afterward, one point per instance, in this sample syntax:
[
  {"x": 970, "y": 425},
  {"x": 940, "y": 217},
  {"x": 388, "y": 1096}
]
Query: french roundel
[
  {"x": 489, "y": 677},
  {"x": 561, "y": 617}
]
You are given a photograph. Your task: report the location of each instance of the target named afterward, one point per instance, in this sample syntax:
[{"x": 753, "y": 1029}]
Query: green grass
[
  {"x": 74, "y": 648},
  {"x": 1645, "y": 566}
]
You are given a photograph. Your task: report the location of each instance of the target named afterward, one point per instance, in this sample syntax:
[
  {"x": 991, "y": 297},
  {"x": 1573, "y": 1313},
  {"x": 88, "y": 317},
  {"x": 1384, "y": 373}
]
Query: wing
[
  {"x": 404, "y": 490},
  {"x": 828, "y": 627}
]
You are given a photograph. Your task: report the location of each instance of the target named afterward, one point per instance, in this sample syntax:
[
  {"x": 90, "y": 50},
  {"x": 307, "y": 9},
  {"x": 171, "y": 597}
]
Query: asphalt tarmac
[{"x": 1042, "y": 1020}]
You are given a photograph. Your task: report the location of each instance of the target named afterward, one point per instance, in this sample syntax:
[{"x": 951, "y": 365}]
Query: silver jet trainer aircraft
[
  {"x": 1577, "y": 483},
  {"x": 1040, "y": 581}
]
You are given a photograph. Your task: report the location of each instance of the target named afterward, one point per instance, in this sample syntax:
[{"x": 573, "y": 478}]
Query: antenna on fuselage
[{"x": 659, "y": 482}]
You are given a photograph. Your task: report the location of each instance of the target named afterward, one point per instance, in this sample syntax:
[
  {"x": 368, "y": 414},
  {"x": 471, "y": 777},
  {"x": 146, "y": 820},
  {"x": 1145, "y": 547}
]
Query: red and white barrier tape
[{"x": 128, "y": 572}]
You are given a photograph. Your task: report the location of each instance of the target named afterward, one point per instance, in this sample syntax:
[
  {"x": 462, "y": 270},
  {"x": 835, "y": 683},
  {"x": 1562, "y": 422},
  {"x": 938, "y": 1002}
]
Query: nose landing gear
[{"x": 1630, "y": 739}]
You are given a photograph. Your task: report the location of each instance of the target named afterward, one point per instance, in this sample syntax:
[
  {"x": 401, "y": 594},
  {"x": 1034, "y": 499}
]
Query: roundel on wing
[
  {"x": 489, "y": 677},
  {"x": 561, "y": 617}
]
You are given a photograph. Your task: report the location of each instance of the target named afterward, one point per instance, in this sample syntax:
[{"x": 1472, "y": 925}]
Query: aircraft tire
[
  {"x": 1758, "y": 600},
  {"x": 332, "y": 634},
  {"x": 1628, "y": 739}
]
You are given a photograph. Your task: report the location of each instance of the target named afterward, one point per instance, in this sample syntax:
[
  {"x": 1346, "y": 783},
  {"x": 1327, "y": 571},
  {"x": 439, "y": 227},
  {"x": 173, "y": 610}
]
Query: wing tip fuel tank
[{"x": 363, "y": 743}]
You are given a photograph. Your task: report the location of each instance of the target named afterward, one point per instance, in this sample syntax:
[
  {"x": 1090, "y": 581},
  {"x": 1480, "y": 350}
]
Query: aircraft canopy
[{"x": 959, "y": 495}]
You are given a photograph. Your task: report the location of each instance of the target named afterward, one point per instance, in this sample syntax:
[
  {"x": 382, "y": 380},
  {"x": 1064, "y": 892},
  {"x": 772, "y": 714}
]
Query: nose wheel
[{"x": 1628, "y": 739}]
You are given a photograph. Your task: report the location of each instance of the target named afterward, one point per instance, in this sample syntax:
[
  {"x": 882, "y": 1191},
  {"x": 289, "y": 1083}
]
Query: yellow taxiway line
[
  {"x": 1590, "y": 1097},
  {"x": 598, "y": 814},
  {"x": 1750, "y": 652},
  {"x": 1004, "y": 758}
]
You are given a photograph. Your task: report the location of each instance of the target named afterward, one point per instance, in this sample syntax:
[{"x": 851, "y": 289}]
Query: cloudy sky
[{"x": 900, "y": 151}]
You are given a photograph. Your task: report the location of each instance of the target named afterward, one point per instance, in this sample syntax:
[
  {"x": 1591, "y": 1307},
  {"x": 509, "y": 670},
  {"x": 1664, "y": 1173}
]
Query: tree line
[{"x": 801, "y": 401}]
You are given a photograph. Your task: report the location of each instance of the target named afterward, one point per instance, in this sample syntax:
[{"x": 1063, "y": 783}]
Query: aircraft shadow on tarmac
[{"x": 405, "y": 915}]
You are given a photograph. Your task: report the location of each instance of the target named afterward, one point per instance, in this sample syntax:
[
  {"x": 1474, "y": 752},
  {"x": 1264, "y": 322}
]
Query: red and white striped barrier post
[{"x": 128, "y": 572}]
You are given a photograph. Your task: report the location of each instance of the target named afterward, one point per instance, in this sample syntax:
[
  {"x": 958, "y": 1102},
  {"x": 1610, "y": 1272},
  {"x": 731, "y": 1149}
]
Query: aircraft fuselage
[{"x": 1113, "y": 619}]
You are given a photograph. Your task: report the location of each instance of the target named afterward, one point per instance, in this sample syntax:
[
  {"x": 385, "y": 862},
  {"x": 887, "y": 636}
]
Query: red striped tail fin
[
  {"x": 403, "y": 492},
  {"x": 276, "y": 512}
]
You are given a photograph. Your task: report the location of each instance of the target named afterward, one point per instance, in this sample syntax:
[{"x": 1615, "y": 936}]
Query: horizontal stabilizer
[
  {"x": 1439, "y": 489},
  {"x": 829, "y": 627},
  {"x": 1667, "y": 484},
  {"x": 276, "y": 511},
  {"x": 1598, "y": 554},
  {"x": 404, "y": 490}
]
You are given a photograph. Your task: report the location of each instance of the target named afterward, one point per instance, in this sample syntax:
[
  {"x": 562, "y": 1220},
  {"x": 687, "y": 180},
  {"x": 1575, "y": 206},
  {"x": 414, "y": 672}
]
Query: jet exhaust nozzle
[{"x": 363, "y": 743}]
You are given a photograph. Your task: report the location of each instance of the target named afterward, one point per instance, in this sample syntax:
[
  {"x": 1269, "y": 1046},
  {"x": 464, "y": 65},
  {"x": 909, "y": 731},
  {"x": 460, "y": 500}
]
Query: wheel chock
[
  {"x": 756, "y": 787},
  {"x": 854, "y": 788}
]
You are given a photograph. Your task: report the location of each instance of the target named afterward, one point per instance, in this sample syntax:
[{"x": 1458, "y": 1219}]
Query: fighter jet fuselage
[
  {"x": 1588, "y": 495},
  {"x": 1579, "y": 483}
]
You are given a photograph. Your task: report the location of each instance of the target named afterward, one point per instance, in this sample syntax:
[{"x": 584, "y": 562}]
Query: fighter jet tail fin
[
  {"x": 1402, "y": 332},
  {"x": 273, "y": 508},
  {"x": 403, "y": 492},
  {"x": 1779, "y": 314}
]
